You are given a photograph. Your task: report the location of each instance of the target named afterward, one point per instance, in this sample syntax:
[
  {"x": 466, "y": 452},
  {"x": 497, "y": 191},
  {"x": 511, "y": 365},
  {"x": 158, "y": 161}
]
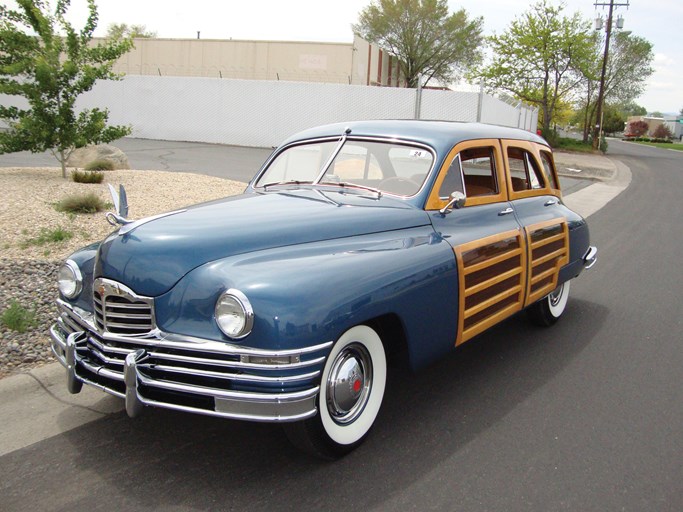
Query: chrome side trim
[{"x": 591, "y": 257}]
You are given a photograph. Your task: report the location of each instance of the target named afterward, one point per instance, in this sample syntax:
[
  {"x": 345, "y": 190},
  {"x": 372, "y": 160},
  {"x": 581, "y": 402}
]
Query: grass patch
[
  {"x": 82, "y": 203},
  {"x": 675, "y": 146},
  {"x": 87, "y": 176},
  {"x": 47, "y": 236},
  {"x": 17, "y": 318},
  {"x": 573, "y": 145},
  {"x": 99, "y": 165}
]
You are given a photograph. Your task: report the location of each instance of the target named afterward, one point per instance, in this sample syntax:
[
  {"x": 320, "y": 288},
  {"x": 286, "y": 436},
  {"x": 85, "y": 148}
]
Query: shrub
[
  {"x": 637, "y": 128},
  {"x": 83, "y": 203},
  {"x": 17, "y": 318},
  {"x": 87, "y": 176},
  {"x": 551, "y": 137},
  {"x": 99, "y": 165},
  {"x": 662, "y": 132},
  {"x": 47, "y": 236}
]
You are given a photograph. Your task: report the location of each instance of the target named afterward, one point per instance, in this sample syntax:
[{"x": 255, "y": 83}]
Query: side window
[
  {"x": 548, "y": 168},
  {"x": 479, "y": 171},
  {"x": 524, "y": 171},
  {"x": 453, "y": 180},
  {"x": 472, "y": 172}
]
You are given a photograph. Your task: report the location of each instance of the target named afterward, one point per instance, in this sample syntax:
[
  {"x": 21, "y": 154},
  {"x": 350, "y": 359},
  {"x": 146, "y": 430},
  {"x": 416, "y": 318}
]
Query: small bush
[
  {"x": 637, "y": 128},
  {"x": 662, "y": 132},
  {"x": 87, "y": 176},
  {"x": 551, "y": 137},
  {"x": 99, "y": 165},
  {"x": 17, "y": 318},
  {"x": 48, "y": 236},
  {"x": 83, "y": 203},
  {"x": 573, "y": 145}
]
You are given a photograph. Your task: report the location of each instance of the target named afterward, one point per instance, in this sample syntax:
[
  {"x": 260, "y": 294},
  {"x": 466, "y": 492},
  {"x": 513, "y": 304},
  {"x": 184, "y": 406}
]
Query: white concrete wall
[{"x": 263, "y": 113}]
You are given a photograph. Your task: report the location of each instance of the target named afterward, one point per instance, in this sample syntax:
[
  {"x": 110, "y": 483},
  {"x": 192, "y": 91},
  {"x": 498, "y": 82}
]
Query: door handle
[
  {"x": 507, "y": 211},
  {"x": 551, "y": 202}
]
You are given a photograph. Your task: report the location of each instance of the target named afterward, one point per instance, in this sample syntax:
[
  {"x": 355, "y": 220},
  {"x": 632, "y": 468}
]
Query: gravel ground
[{"x": 28, "y": 267}]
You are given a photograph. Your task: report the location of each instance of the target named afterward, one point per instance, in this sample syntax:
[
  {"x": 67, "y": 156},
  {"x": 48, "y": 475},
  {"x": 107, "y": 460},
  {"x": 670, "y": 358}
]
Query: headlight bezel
[
  {"x": 76, "y": 278},
  {"x": 246, "y": 322}
]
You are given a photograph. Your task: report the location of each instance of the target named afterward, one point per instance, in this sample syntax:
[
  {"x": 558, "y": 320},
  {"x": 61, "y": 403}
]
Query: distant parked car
[{"x": 355, "y": 244}]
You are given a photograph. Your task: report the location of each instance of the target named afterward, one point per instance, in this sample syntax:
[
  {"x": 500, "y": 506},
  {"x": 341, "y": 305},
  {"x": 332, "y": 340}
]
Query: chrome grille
[{"x": 119, "y": 310}]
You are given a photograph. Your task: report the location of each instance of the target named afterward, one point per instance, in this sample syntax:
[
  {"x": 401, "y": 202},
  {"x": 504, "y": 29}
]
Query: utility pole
[{"x": 597, "y": 131}]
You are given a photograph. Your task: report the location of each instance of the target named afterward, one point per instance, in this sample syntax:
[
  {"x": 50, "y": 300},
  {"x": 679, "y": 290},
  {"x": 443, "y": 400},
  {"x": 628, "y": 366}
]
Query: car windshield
[{"x": 392, "y": 168}]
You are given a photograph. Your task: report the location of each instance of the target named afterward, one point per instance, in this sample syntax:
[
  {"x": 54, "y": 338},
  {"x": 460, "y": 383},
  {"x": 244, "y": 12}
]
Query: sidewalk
[{"x": 36, "y": 405}]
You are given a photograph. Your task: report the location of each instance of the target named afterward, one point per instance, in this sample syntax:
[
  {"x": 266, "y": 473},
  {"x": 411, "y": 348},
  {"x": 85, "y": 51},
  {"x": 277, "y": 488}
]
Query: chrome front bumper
[
  {"x": 591, "y": 257},
  {"x": 199, "y": 376}
]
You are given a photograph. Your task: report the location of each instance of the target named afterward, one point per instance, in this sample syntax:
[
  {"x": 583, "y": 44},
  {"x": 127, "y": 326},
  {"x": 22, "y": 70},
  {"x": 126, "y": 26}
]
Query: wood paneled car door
[
  {"x": 534, "y": 192},
  {"x": 487, "y": 240}
]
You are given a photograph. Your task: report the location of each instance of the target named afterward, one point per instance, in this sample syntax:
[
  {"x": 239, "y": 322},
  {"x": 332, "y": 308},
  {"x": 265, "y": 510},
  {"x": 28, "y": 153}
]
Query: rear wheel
[
  {"x": 351, "y": 393},
  {"x": 548, "y": 310}
]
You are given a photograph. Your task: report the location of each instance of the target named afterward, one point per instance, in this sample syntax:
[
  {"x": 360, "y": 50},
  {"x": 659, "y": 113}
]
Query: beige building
[
  {"x": 358, "y": 63},
  {"x": 652, "y": 122}
]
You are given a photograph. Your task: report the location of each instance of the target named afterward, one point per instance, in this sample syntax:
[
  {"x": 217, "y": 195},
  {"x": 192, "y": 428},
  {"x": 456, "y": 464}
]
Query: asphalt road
[{"x": 585, "y": 416}]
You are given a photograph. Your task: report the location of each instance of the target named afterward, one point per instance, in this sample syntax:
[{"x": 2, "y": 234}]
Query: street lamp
[{"x": 597, "y": 132}]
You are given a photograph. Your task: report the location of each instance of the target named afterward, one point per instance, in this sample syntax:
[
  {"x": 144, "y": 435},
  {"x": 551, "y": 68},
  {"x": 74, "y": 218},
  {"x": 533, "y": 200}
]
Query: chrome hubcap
[
  {"x": 556, "y": 295},
  {"x": 349, "y": 383}
]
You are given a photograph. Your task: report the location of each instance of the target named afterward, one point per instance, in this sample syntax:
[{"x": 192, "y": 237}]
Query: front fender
[{"x": 311, "y": 293}]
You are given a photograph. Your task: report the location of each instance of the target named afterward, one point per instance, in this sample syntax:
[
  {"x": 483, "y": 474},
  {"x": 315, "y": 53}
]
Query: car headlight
[
  {"x": 70, "y": 279},
  {"x": 234, "y": 314}
]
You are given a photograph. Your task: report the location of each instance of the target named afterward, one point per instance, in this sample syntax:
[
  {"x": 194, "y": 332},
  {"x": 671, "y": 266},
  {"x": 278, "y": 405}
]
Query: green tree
[
  {"x": 535, "y": 59},
  {"x": 631, "y": 108},
  {"x": 117, "y": 31},
  {"x": 47, "y": 62},
  {"x": 628, "y": 67},
  {"x": 425, "y": 38},
  {"x": 614, "y": 120},
  {"x": 656, "y": 113}
]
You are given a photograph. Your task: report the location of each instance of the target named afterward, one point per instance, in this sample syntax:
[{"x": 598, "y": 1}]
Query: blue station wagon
[{"x": 285, "y": 303}]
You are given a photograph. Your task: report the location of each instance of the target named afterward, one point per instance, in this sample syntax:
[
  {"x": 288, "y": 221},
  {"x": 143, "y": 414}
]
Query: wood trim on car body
[
  {"x": 434, "y": 202},
  {"x": 484, "y": 301},
  {"x": 547, "y": 253}
]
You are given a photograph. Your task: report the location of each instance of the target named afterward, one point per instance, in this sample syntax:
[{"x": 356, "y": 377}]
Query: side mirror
[{"x": 457, "y": 201}]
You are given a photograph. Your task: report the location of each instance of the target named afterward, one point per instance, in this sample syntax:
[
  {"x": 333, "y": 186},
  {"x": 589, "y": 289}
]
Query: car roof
[{"x": 441, "y": 135}]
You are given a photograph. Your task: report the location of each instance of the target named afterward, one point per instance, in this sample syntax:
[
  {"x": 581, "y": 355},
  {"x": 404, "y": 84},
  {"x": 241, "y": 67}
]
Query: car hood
[{"x": 154, "y": 256}]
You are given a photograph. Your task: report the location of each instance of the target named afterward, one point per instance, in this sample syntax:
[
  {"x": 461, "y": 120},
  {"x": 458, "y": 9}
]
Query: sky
[{"x": 330, "y": 21}]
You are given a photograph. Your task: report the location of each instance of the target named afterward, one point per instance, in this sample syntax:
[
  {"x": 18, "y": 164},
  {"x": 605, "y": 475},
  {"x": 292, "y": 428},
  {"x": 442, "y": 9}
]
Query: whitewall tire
[
  {"x": 351, "y": 393},
  {"x": 549, "y": 309}
]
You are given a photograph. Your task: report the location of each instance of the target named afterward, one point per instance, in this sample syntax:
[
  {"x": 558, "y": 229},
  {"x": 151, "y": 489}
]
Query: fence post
[
  {"x": 480, "y": 101},
  {"x": 418, "y": 96}
]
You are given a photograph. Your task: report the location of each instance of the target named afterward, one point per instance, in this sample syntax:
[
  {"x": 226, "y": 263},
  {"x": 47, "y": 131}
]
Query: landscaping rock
[{"x": 83, "y": 156}]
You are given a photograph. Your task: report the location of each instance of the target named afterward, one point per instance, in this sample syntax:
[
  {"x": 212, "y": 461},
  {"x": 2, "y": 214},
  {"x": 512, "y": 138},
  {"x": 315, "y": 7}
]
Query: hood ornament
[
  {"x": 120, "y": 206},
  {"x": 118, "y": 218}
]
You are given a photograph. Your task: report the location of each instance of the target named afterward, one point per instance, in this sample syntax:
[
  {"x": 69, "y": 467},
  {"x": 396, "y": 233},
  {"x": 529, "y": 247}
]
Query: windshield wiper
[
  {"x": 344, "y": 184},
  {"x": 292, "y": 182}
]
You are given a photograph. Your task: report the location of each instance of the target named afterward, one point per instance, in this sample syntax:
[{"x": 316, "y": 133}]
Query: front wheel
[
  {"x": 548, "y": 310},
  {"x": 351, "y": 393}
]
